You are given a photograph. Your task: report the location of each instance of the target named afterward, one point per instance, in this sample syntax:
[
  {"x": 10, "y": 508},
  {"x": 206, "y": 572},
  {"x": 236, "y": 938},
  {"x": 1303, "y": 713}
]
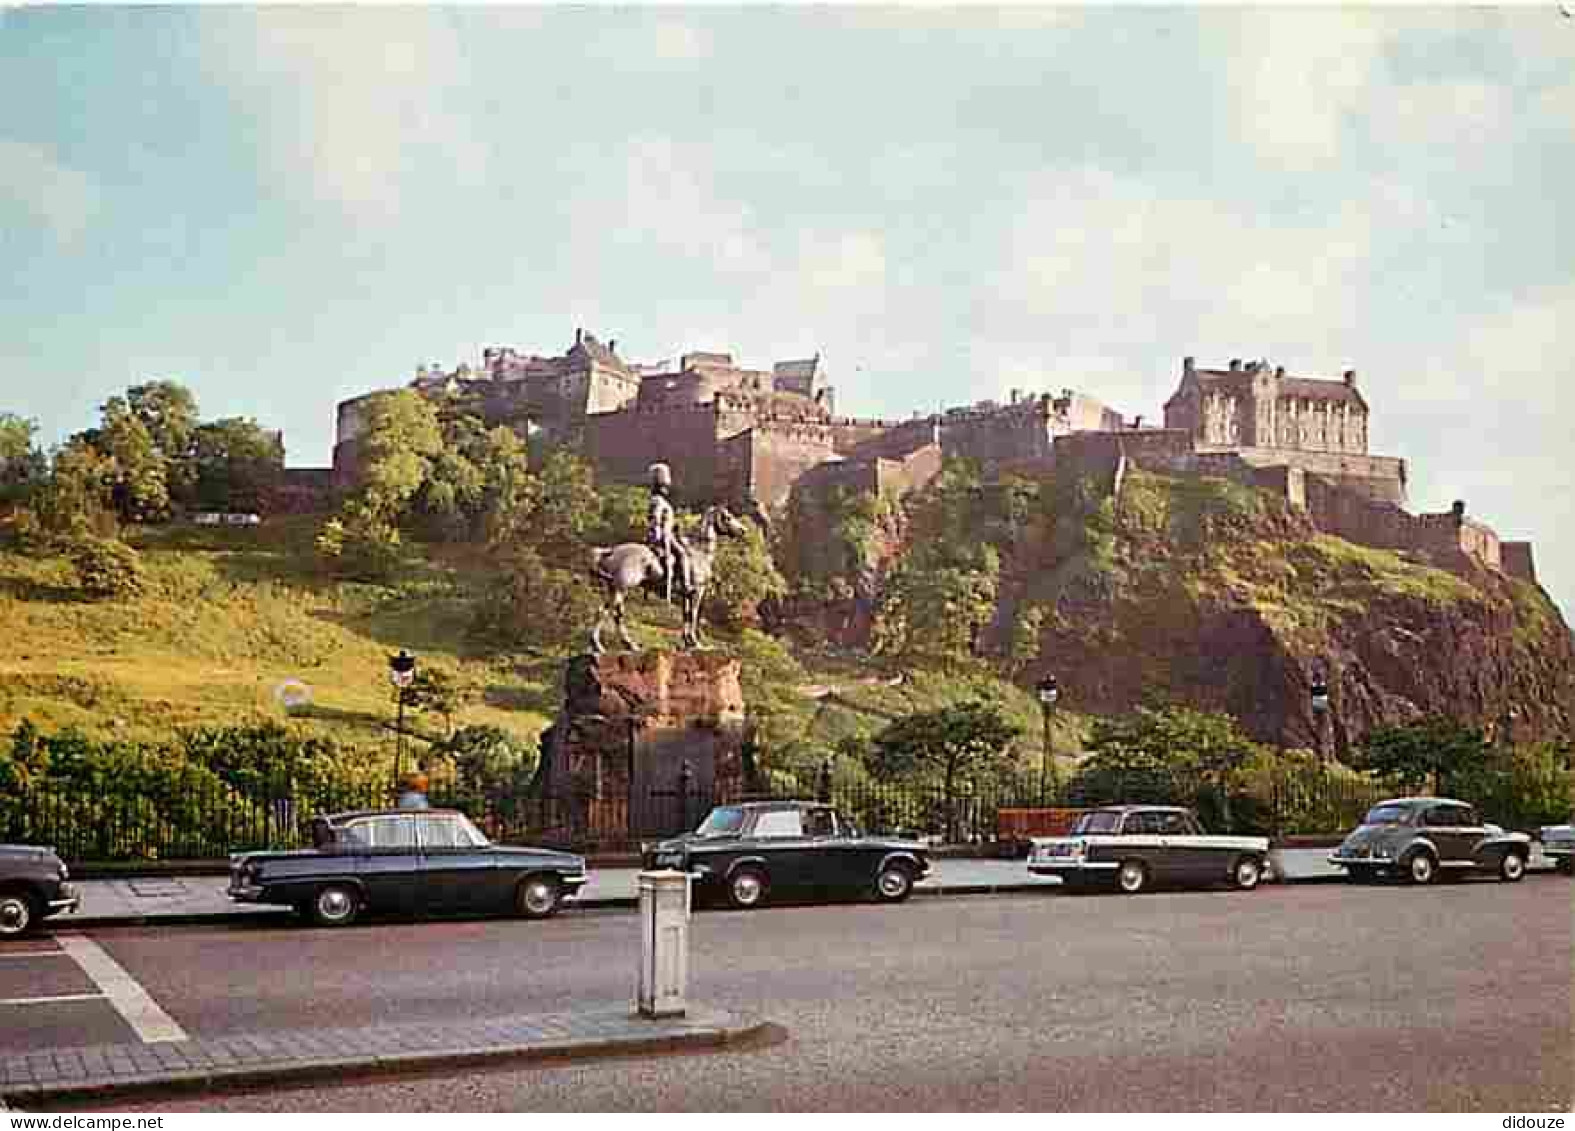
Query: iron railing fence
[{"x": 207, "y": 817}]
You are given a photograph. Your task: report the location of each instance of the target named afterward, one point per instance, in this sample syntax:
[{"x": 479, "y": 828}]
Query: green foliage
[
  {"x": 402, "y": 436},
  {"x": 1523, "y": 786},
  {"x": 141, "y": 481},
  {"x": 361, "y": 544},
  {"x": 1433, "y": 747},
  {"x": 439, "y": 690},
  {"x": 931, "y": 614},
  {"x": 743, "y": 576},
  {"x": 106, "y": 567},
  {"x": 968, "y": 738},
  {"x": 529, "y": 604},
  {"x": 167, "y": 411},
  {"x": 1163, "y": 754},
  {"x": 235, "y": 465},
  {"x": 76, "y": 498},
  {"x": 22, "y": 466}
]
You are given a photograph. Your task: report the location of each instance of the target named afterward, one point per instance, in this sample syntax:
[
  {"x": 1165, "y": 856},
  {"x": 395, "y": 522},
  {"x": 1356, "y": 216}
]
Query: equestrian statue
[{"x": 667, "y": 563}]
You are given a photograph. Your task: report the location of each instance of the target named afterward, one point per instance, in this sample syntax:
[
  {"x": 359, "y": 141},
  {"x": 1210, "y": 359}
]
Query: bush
[
  {"x": 106, "y": 567},
  {"x": 530, "y": 604}
]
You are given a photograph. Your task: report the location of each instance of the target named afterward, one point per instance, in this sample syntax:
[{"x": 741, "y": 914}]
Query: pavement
[
  {"x": 177, "y": 899},
  {"x": 96, "y": 1073}
]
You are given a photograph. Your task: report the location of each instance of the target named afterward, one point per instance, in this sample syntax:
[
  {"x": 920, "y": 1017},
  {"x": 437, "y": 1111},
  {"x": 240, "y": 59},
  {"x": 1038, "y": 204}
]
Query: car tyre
[
  {"x": 1132, "y": 876},
  {"x": 1420, "y": 869},
  {"x": 894, "y": 883},
  {"x": 1246, "y": 873},
  {"x": 1512, "y": 868},
  {"x": 746, "y": 888},
  {"x": 335, "y": 905},
  {"x": 538, "y": 897},
  {"x": 19, "y": 913}
]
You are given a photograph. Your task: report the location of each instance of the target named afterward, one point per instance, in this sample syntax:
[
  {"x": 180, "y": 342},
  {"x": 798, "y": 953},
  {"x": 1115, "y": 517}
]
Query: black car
[
  {"x": 1558, "y": 845},
  {"x": 410, "y": 861},
  {"x": 750, "y": 851},
  {"x": 1421, "y": 838},
  {"x": 1131, "y": 847},
  {"x": 32, "y": 887}
]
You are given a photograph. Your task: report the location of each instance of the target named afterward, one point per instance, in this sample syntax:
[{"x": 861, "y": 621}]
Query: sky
[{"x": 283, "y": 207}]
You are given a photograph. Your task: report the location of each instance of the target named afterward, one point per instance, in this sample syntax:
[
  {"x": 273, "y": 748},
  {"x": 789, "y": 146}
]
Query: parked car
[
  {"x": 1558, "y": 845},
  {"x": 32, "y": 888},
  {"x": 752, "y": 851},
  {"x": 410, "y": 861},
  {"x": 1421, "y": 838},
  {"x": 1132, "y": 847}
]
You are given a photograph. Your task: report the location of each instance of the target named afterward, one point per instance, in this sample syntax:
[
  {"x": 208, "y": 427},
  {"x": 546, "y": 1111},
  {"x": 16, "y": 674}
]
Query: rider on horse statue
[{"x": 661, "y": 530}]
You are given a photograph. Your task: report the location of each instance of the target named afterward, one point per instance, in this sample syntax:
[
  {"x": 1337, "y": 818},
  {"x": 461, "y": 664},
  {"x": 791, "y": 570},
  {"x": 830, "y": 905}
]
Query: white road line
[
  {"x": 48, "y": 1000},
  {"x": 33, "y": 954},
  {"x": 130, "y": 1000}
]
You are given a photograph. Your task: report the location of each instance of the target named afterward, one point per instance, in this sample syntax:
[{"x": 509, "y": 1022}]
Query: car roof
[
  {"x": 355, "y": 814},
  {"x": 1141, "y": 809},
  {"x": 1414, "y": 802},
  {"x": 782, "y": 804}
]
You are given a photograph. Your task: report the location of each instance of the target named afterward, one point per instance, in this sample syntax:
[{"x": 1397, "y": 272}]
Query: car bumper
[
  {"x": 1559, "y": 849},
  {"x": 1378, "y": 863},
  {"x": 245, "y": 893},
  {"x": 66, "y": 902}
]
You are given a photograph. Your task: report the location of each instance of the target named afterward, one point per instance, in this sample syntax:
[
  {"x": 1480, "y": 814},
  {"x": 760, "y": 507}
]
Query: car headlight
[{"x": 1380, "y": 852}]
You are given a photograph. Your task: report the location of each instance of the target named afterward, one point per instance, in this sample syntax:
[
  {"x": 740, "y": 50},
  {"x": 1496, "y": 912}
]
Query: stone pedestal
[{"x": 645, "y": 743}]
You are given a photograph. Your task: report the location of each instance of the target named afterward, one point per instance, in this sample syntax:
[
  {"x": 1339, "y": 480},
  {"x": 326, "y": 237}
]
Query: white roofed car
[
  {"x": 1558, "y": 845},
  {"x": 1134, "y": 847}
]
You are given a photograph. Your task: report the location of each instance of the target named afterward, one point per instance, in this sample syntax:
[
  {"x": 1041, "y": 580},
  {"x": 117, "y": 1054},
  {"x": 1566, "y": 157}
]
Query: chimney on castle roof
[
  {"x": 1015, "y": 394},
  {"x": 1279, "y": 371},
  {"x": 1350, "y": 378},
  {"x": 579, "y": 334},
  {"x": 1188, "y": 364},
  {"x": 1459, "y": 510},
  {"x": 612, "y": 345},
  {"x": 1235, "y": 365}
]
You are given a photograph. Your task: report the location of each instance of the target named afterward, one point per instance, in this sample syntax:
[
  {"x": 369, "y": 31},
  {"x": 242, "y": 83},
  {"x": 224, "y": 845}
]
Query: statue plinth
[{"x": 644, "y": 744}]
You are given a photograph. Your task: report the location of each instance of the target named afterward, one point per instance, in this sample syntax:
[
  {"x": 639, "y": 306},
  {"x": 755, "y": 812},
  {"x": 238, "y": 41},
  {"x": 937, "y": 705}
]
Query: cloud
[
  {"x": 65, "y": 200},
  {"x": 351, "y": 107}
]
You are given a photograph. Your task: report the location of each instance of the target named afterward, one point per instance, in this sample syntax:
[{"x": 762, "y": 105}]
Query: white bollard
[{"x": 664, "y": 943}]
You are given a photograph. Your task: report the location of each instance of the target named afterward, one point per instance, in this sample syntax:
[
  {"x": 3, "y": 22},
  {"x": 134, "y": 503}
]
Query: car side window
[
  {"x": 1443, "y": 817},
  {"x": 441, "y": 832},
  {"x": 1139, "y": 824},
  {"x": 389, "y": 832},
  {"x": 1171, "y": 824},
  {"x": 779, "y": 823},
  {"x": 1190, "y": 826},
  {"x": 818, "y": 822}
]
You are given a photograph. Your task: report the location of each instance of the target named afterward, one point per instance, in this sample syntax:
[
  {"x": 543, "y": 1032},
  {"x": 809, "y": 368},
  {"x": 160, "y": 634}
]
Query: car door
[
  {"x": 1446, "y": 826},
  {"x": 456, "y": 875},
  {"x": 1141, "y": 839},
  {"x": 388, "y": 861},
  {"x": 1187, "y": 848},
  {"x": 779, "y": 838},
  {"x": 833, "y": 858}
]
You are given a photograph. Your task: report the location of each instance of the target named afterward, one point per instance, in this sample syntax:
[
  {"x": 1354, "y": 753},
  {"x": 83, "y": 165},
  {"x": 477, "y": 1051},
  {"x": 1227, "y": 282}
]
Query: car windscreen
[
  {"x": 723, "y": 821},
  {"x": 1387, "y": 815},
  {"x": 1099, "y": 821}
]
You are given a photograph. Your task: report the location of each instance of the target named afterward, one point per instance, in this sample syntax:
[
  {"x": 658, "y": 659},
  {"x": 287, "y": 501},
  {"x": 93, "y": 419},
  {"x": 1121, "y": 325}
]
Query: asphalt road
[{"x": 1328, "y": 997}]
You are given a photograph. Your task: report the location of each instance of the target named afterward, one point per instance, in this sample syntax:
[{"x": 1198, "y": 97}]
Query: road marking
[
  {"x": 48, "y": 1000},
  {"x": 130, "y": 1000},
  {"x": 33, "y": 954}
]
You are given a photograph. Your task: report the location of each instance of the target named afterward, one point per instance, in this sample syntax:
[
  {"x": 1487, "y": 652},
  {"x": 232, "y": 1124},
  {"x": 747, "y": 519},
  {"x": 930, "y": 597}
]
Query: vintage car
[
  {"x": 1133, "y": 847},
  {"x": 408, "y": 861},
  {"x": 1422, "y": 838},
  {"x": 32, "y": 887},
  {"x": 1558, "y": 845},
  {"x": 751, "y": 851}
]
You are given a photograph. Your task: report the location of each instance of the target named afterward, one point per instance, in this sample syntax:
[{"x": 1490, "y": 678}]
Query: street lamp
[
  {"x": 1048, "y": 692},
  {"x": 401, "y": 673},
  {"x": 1320, "y": 708}
]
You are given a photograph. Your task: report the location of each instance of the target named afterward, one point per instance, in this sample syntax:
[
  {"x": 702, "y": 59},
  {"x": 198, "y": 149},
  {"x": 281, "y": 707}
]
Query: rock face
[{"x": 644, "y": 742}]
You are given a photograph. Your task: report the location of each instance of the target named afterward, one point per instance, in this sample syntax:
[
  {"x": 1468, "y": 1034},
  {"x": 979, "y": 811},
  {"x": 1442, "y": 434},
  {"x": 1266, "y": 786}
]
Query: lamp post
[
  {"x": 1048, "y": 692},
  {"x": 1320, "y": 708},
  {"x": 401, "y": 673},
  {"x": 823, "y": 784}
]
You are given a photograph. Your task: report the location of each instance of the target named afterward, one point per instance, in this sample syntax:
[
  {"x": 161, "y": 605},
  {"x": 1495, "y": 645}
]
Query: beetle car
[
  {"x": 32, "y": 887},
  {"x": 1558, "y": 845},
  {"x": 411, "y": 861},
  {"x": 751, "y": 851},
  {"x": 1132, "y": 847},
  {"x": 1420, "y": 838}
]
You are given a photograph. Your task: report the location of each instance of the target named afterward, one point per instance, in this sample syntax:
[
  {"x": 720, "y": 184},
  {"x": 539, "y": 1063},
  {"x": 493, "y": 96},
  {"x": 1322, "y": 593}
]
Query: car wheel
[
  {"x": 1246, "y": 873},
  {"x": 746, "y": 888},
  {"x": 1132, "y": 876},
  {"x": 1512, "y": 868},
  {"x": 335, "y": 905},
  {"x": 894, "y": 883},
  {"x": 538, "y": 897},
  {"x": 1421, "y": 868},
  {"x": 19, "y": 914}
]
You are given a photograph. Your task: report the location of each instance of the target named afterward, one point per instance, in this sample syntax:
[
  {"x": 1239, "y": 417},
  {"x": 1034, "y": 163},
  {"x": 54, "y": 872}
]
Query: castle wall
[
  {"x": 1358, "y": 518},
  {"x": 622, "y": 445},
  {"x": 1006, "y": 436},
  {"x": 882, "y": 439},
  {"x": 765, "y": 461},
  {"x": 1380, "y": 478},
  {"x": 1517, "y": 560}
]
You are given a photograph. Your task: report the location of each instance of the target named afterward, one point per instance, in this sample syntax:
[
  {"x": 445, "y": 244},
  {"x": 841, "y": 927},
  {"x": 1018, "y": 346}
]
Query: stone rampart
[{"x": 1518, "y": 561}]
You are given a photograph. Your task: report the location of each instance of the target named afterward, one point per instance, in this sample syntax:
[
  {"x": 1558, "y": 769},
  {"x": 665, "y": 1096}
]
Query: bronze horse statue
[{"x": 633, "y": 565}]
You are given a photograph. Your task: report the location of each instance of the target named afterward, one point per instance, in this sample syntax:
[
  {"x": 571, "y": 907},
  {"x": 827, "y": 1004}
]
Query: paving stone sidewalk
[{"x": 102, "y": 1071}]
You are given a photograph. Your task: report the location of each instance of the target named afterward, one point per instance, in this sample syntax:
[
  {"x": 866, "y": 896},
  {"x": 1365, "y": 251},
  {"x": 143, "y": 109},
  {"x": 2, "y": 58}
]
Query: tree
[
  {"x": 22, "y": 465},
  {"x": 1434, "y": 746},
  {"x": 532, "y": 604},
  {"x": 235, "y": 465},
  {"x": 402, "y": 435},
  {"x": 952, "y": 741},
  {"x": 141, "y": 490},
  {"x": 106, "y": 567},
  {"x": 76, "y": 498},
  {"x": 167, "y": 410},
  {"x": 744, "y": 575},
  {"x": 932, "y": 613},
  {"x": 359, "y": 544},
  {"x": 439, "y": 690}
]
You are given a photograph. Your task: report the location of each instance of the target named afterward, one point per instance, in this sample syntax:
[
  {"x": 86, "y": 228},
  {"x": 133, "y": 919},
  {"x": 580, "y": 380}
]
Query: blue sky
[{"x": 282, "y": 207}]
